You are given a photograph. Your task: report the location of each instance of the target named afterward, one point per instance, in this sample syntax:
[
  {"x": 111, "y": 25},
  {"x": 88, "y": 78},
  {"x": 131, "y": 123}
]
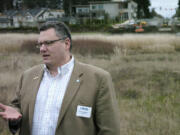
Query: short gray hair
[{"x": 62, "y": 30}]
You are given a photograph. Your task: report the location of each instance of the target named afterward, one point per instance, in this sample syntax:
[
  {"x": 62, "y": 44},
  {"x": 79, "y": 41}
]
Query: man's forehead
[
  {"x": 50, "y": 31},
  {"x": 47, "y": 34}
]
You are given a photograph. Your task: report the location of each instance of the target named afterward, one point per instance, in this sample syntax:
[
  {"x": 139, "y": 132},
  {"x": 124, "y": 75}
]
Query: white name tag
[{"x": 83, "y": 111}]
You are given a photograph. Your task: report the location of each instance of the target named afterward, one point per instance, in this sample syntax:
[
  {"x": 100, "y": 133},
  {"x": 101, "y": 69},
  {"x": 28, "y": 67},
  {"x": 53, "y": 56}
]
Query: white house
[
  {"x": 121, "y": 9},
  {"x": 126, "y": 10},
  {"x": 98, "y": 9},
  {"x": 57, "y": 13},
  {"x": 82, "y": 10}
]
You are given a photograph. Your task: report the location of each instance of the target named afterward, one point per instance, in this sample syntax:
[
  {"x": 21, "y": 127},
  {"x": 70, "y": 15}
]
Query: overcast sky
[{"x": 165, "y": 7}]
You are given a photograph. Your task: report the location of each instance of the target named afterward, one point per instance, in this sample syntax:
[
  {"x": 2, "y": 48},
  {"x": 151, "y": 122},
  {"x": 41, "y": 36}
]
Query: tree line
[
  {"x": 142, "y": 11},
  {"x": 178, "y": 10}
]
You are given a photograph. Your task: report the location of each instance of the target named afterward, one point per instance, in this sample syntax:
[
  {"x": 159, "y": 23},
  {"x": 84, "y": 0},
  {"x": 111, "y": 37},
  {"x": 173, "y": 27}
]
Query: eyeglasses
[{"x": 48, "y": 42}]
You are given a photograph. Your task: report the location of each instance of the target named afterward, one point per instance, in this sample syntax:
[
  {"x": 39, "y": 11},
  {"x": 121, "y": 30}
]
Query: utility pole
[
  {"x": 70, "y": 8},
  {"x": 61, "y": 4}
]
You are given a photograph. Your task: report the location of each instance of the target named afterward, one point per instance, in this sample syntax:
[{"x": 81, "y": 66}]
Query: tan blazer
[{"x": 89, "y": 86}]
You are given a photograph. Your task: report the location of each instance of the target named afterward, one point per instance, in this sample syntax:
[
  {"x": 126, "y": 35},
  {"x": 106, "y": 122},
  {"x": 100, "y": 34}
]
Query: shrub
[
  {"x": 92, "y": 46},
  {"x": 29, "y": 46},
  {"x": 94, "y": 27}
]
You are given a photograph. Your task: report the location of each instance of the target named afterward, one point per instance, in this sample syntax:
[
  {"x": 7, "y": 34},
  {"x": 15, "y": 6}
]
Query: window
[
  {"x": 125, "y": 16},
  {"x": 79, "y": 10},
  {"x": 100, "y": 6},
  {"x": 93, "y": 14},
  {"x": 28, "y": 17},
  {"x": 86, "y": 10},
  {"x": 120, "y": 6},
  {"x": 94, "y": 7},
  {"x": 123, "y": 5}
]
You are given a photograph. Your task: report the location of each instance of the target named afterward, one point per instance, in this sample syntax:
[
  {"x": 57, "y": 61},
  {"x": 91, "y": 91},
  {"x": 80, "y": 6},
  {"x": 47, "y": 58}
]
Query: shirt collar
[{"x": 64, "y": 69}]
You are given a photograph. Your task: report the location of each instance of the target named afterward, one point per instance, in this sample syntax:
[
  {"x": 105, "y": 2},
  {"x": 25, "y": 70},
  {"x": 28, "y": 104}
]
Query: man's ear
[{"x": 67, "y": 43}]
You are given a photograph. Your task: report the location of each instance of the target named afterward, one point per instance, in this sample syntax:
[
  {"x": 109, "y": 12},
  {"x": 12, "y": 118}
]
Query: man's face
[{"x": 54, "y": 54}]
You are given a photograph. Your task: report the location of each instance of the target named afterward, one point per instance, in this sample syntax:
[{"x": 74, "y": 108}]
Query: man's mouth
[{"x": 45, "y": 55}]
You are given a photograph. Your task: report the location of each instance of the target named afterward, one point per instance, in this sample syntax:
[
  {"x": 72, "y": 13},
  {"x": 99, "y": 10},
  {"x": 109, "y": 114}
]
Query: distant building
[
  {"x": 10, "y": 14},
  {"x": 32, "y": 17},
  {"x": 57, "y": 13},
  {"x": 5, "y": 22},
  {"x": 82, "y": 11},
  {"x": 124, "y": 10}
]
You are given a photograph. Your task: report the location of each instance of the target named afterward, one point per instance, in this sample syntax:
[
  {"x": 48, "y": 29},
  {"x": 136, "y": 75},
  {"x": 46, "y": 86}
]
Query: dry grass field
[{"x": 145, "y": 70}]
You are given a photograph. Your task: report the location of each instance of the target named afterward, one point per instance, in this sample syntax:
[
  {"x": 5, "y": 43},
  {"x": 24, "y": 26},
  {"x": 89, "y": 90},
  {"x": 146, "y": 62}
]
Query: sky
[{"x": 166, "y": 8}]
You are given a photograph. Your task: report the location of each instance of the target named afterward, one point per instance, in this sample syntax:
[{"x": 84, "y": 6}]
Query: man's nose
[{"x": 43, "y": 48}]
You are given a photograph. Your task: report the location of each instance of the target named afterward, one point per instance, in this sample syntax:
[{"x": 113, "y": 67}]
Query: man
[{"x": 63, "y": 96}]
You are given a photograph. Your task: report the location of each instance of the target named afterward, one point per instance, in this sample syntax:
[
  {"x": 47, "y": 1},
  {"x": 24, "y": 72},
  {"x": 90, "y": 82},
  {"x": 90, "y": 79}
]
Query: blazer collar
[
  {"x": 73, "y": 86},
  {"x": 36, "y": 80}
]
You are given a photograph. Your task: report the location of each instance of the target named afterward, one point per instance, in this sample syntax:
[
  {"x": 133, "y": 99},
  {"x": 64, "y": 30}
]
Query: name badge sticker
[{"x": 83, "y": 111}]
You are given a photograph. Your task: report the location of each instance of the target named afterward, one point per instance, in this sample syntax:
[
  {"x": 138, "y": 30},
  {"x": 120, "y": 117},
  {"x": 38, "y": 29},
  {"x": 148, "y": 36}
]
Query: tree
[
  {"x": 68, "y": 6},
  {"x": 155, "y": 14},
  {"x": 35, "y": 3},
  {"x": 42, "y": 3},
  {"x": 54, "y": 3},
  {"x": 178, "y": 10},
  {"x": 6, "y": 4},
  {"x": 143, "y": 8}
]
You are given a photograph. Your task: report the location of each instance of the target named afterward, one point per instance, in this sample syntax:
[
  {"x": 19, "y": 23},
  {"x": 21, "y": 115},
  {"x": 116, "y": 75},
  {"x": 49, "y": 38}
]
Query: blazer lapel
[
  {"x": 73, "y": 86},
  {"x": 36, "y": 80}
]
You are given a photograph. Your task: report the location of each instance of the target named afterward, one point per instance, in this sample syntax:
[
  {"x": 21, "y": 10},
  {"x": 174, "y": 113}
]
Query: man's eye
[{"x": 47, "y": 42}]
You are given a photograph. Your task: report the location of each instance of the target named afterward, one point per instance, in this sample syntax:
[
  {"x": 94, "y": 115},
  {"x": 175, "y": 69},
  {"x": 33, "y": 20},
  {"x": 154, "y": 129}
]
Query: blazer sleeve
[
  {"x": 107, "y": 109},
  {"x": 15, "y": 103}
]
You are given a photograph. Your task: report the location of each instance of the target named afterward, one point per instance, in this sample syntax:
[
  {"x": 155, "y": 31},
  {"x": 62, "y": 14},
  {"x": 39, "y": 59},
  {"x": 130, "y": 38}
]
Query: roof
[
  {"x": 10, "y": 12},
  {"x": 21, "y": 12},
  {"x": 113, "y": 1},
  {"x": 81, "y": 6},
  {"x": 57, "y": 10},
  {"x": 122, "y": 0},
  {"x": 36, "y": 11},
  {"x": 32, "y": 12},
  {"x": 119, "y": 0},
  {"x": 105, "y": 2}
]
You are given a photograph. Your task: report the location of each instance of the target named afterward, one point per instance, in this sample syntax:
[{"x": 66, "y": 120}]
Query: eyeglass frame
[{"x": 49, "y": 42}]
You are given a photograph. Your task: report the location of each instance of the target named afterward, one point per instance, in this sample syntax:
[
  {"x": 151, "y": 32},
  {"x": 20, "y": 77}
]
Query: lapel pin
[
  {"x": 36, "y": 77},
  {"x": 78, "y": 80}
]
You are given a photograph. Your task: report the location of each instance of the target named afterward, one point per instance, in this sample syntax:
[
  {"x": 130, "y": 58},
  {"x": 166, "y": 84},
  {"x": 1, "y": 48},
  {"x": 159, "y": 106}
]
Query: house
[
  {"x": 57, "y": 13},
  {"x": 32, "y": 17},
  {"x": 11, "y": 14},
  {"x": 16, "y": 17},
  {"x": 5, "y": 22},
  {"x": 128, "y": 10},
  {"x": 82, "y": 11},
  {"x": 124, "y": 10}
]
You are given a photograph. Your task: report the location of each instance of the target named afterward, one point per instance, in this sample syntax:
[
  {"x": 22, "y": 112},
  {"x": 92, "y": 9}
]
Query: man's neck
[{"x": 53, "y": 69}]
